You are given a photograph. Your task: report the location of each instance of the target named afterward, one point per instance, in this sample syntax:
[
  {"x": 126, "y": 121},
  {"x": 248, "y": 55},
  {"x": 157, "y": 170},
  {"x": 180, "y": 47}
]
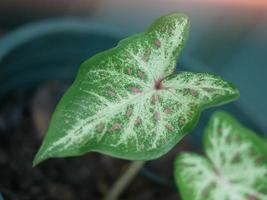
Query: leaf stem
[{"x": 122, "y": 183}]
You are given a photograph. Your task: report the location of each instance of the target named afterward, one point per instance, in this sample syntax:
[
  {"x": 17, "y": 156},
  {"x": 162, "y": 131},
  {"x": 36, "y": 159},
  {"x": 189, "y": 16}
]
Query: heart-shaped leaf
[
  {"x": 127, "y": 102},
  {"x": 235, "y": 167}
]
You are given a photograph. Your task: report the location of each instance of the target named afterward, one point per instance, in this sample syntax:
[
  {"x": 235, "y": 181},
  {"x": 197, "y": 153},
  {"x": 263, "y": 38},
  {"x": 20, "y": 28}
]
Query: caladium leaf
[
  {"x": 128, "y": 103},
  {"x": 235, "y": 167}
]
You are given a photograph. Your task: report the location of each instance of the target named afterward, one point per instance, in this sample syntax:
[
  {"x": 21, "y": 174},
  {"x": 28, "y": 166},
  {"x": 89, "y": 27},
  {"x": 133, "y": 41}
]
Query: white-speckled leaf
[
  {"x": 235, "y": 167},
  {"x": 128, "y": 103}
]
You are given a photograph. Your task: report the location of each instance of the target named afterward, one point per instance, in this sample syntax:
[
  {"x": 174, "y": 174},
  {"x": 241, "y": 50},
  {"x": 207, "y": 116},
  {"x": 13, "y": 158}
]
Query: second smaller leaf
[{"x": 235, "y": 167}]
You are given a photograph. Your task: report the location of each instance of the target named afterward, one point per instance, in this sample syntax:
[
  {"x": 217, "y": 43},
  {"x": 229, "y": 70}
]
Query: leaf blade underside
[
  {"x": 235, "y": 167},
  {"x": 114, "y": 107}
]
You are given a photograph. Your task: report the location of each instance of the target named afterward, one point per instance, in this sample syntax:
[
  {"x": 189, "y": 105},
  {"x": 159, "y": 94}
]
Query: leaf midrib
[{"x": 102, "y": 114}]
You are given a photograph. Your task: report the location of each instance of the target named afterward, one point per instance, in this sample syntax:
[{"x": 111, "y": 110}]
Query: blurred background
[{"x": 42, "y": 43}]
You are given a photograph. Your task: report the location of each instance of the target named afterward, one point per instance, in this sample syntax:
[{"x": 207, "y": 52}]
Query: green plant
[
  {"x": 129, "y": 103},
  {"x": 235, "y": 167}
]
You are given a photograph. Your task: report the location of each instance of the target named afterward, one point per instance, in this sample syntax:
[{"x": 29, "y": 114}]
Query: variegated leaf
[
  {"x": 235, "y": 167},
  {"x": 127, "y": 102}
]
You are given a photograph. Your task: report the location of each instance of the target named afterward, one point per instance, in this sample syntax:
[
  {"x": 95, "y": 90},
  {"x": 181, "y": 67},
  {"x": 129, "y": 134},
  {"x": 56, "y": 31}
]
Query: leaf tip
[
  {"x": 36, "y": 161},
  {"x": 173, "y": 22},
  {"x": 179, "y": 18},
  {"x": 236, "y": 92},
  {"x": 178, "y": 15},
  {"x": 221, "y": 115},
  {"x": 39, "y": 157}
]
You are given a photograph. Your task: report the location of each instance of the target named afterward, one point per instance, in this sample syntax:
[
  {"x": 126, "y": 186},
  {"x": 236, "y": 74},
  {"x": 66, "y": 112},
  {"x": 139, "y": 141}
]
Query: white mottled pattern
[
  {"x": 127, "y": 101},
  {"x": 236, "y": 167}
]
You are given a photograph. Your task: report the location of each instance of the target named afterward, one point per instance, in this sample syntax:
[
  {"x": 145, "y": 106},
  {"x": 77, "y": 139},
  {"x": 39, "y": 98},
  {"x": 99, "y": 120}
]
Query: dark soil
[{"x": 86, "y": 177}]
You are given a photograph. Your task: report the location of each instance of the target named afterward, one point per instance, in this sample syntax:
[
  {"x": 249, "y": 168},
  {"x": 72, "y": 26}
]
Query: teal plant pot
[{"x": 50, "y": 50}]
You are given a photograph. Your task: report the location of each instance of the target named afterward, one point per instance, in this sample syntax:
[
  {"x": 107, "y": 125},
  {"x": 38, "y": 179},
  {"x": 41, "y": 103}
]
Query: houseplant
[{"x": 128, "y": 102}]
